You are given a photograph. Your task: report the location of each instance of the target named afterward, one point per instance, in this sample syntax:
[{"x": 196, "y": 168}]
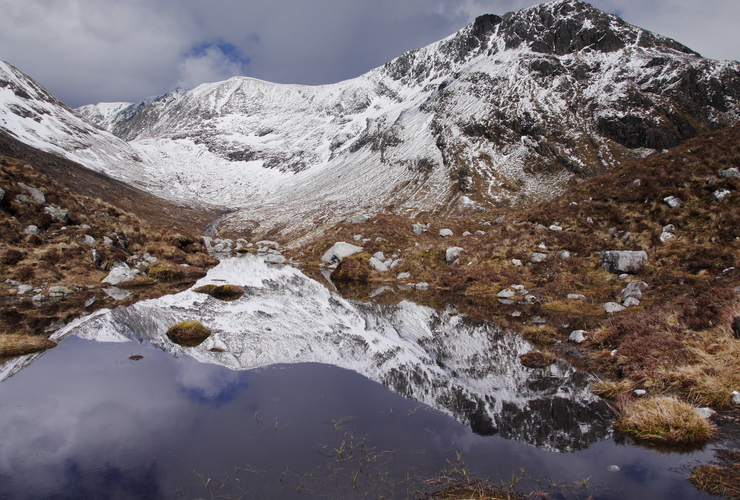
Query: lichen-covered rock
[{"x": 188, "y": 333}]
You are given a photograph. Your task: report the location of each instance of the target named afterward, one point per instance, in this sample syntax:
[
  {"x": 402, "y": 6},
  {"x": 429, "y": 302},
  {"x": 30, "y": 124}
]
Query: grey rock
[
  {"x": 736, "y": 397},
  {"x": 357, "y": 237},
  {"x": 563, "y": 254},
  {"x": 639, "y": 392},
  {"x": 444, "y": 233},
  {"x": 379, "y": 255},
  {"x": 339, "y": 251},
  {"x": 24, "y": 289},
  {"x": 467, "y": 233},
  {"x": 538, "y": 320},
  {"x": 107, "y": 240},
  {"x": 631, "y": 302},
  {"x": 575, "y": 296},
  {"x": 32, "y": 230},
  {"x": 729, "y": 172},
  {"x": 358, "y": 219},
  {"x": 480, "y": 233},
  {"x": 613, "y": 468},
  {"x": 420, "y": 229},
  {"x": 22, "y": 199},
  {"x": 403, "y": 276},
  {"x": 452, "y": 253},
  {"x": 669, "y": 228},
  {"x": 516, "y": 262},
  {"x": 705, "y": 412},
  {"x": 13, "y": 282},
  {"x": 721, "y": 194},
  {"x": 88, "y": 240},
  {"x": 538, "y": 257},
  {"x": 60, "y": 214},
  {"x": 665, "y": 236},
  {"x": 577, "y": 336},
  {"x": 378, "y": 265},
  {"x": 59, "y": 292},
  {"x": 673, "y": 201},
  {"x": 500, "y": 220},
  {"x": 634, "y": 289},
  {"x": 506, "y": 293},
  {"x": 262, "y": 243},
  {"x": 272, "y": 258},
  {"x": 38, "y": 298},
  {"x": 2, "y": 195},
  {"x": 613, "y": 307},
  {"x": 34, "y": 193},
  {"x": 422, "y": 286},
  {"x": 553, "y": 227},
  {"x": 624, "y": 261},
  {"x": 119, "y": 273}
]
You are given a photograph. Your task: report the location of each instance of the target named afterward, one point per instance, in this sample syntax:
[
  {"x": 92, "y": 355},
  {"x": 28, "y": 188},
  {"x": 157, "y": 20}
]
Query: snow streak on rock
[{"x": 467, "y": 369}]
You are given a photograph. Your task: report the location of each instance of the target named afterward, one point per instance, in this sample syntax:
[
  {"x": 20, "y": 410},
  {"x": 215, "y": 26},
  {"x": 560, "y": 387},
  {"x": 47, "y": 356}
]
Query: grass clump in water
[
  {"x": 222, "y": 292},
  {"x": 722, "y": 478},
  {"x": 17, "y": 345},
  {"x": 188, "y": 333},
  {"x": 537, "y": 359},
  {"x": 665, "y": 420}
]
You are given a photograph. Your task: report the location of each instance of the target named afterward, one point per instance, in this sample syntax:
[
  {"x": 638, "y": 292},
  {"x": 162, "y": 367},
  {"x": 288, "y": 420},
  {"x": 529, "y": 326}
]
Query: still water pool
[{"x": 300, "y": 393}]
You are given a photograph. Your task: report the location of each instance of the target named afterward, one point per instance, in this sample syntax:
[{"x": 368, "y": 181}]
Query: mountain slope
[{"x": 508, "y": 110}]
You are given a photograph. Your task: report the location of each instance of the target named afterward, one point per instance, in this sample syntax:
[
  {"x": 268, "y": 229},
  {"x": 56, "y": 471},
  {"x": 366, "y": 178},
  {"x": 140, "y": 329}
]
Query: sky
[{"x": 88, "y": 51}]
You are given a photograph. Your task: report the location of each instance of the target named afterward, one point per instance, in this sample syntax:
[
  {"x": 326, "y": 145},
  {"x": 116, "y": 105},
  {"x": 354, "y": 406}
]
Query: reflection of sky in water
[{"x": 85, "y": 421}]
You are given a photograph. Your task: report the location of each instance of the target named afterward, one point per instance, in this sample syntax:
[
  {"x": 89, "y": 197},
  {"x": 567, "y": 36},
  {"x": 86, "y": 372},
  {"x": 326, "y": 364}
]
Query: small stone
[
  {"x": 117, "y": 293},
  {"x": 575, "y": 296},
  {"x": 422, "y": 286},
  {"x": 613, "y": 307},
  {"x": 613, "y": 468},
  {"x": 499, "y": 220},
  {"x": 538, "y": 257},
  {"x": 530, "y": 298},
  {"x": 444, "y": 233},
  {"x": 555, "y": 228},
  {"x": 639, "y": 392},
  {"x": 506, "y": 293},
  {"x": 452, "y": 253},
  {"x": 24, "y": 289},
  {"x": 624, "y": 276},
  {"x": 637, "y": 182},
  {"x": 34, "y": 193},
  {"x": 378, "y": 265},
  {"x": 634, "y": 289},
  {"x": 563, "y": 254},
  {"x": 665, "y": 236},
  {"x": 467, "y": 233},
  {"x": 119, "y": 273},
  {"x": 736, "y": 397},
  {"x": 516, "y": 262},
  {"x": 403, "y": 276},
  {"x": 729, "y": 172},
  {"x": 59, "y": 292},
  {"x": 32, "y": 230},
  {"x": 538, "y": 320},
  {"x": 88, "y": 240},
  {"x": 358, "y": 219},
  {"x": 721, "y": 194},
  {"x": 420, "y": 229},
  {"x": 480, "y": 233},
  {"x": 38, "y": 298},
  {"x": 516, "y": 314},
  {"x": 673, "y": 201},
  {"x": 577, "y": 336},
  {"x": 109, "y": 241},
  {"x": 59, "y": 214},
  {"x": 357, "y": 237},
  {"x": 630, "y": 302}
]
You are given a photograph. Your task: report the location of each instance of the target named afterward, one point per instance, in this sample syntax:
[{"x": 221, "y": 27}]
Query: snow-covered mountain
[{"x": 509, "y": 109}]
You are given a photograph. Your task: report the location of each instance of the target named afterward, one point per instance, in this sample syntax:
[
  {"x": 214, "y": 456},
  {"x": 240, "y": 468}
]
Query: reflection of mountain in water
[{"x": 443, "y": 359}]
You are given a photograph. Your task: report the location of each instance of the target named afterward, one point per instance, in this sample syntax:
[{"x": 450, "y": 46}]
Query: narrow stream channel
[{"x": 300, "y": 393}]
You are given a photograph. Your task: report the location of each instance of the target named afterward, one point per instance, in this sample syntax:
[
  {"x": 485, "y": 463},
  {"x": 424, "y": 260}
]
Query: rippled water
[{"x": 312, "y": 395}]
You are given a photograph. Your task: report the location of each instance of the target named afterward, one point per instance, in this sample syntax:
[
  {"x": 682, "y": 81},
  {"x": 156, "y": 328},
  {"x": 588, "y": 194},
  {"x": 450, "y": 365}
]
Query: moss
[
  {"x": 354, "y": 268},
  {"x": 17, "y": 345},
  {"x": 665, "y": 420},
  {"x": 188, "y": 333},
  {"x": 221, "y": 292}
]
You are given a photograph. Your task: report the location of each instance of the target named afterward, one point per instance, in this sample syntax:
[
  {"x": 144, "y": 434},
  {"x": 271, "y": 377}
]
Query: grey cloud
[{"x": 101, "y": 50}]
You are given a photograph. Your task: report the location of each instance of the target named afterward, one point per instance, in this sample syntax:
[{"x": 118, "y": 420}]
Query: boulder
[
  {"x": 59, "y": 214},
  {"x": 119, "y": 273},
  {"x": 479, "y": 232},
  {"x": 631, "y": 302},
  {"x": 613, "y": 307},
  {"x": 339, "y": 251},
  {"x": 403, "y": 276},
  {"x": 24, "y": 289},
  {"x": 274, "y": 259},
  {"x": 379, "y": 255},
  {"x": 358, "y": 219},
  {"x": 34, "y": 193},
  {"x": 577, "y": 336},
  {"x": 634, "y": 289},
  {"x": 444, "y": 233},
  {"x": 420, "y": 229},
  {"x": 538, "y": 257},
  {"x": 673, "y": 201},
  {"x": 422, "y": 286},
  {"x": 32, "y": 230},
  {"x": 452, "y": 253},
  {"x": 467, "y": 233},
  {"x": 729, "y": 172},
  {"x": 378, "y": 265},
  {"x": 624, "y": 261},
  {"x": 563, "y": 254},
  {"x": 721, "y": 194},
  {"x": 88, "y": 240}
]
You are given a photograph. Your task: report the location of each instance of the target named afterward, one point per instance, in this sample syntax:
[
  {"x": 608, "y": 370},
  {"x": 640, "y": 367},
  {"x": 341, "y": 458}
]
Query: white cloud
[{"x": 212, "y": 65}]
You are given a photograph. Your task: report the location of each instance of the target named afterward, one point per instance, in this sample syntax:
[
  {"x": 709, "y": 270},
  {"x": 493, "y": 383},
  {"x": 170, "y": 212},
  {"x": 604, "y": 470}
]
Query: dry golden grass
[
  {"x": 17, "y": 345},
  {"x": 722, "y": 478},
  {"x": 665, "y": 420},
  {"x": 188, "y": 333},
  {"x": 612, "y": 389}
]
